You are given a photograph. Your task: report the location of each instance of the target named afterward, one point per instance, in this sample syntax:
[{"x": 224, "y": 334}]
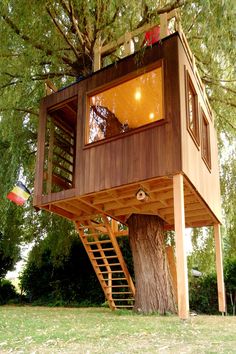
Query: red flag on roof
[
  {"x": 153, "y": 35},
  {"x": 20, "y": 194}
]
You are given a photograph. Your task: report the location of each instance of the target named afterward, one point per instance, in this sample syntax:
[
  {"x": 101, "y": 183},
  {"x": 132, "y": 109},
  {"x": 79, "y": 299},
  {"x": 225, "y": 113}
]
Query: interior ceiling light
[
  {"x": 151, "y": 116},
  {"x": 137, "y": 95}
]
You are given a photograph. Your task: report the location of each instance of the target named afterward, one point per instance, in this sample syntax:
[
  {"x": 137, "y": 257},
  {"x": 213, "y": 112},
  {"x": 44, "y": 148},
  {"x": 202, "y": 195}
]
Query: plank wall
[
  {"x": 205, "y": 180},
  {"x": 151, "y": 151}
]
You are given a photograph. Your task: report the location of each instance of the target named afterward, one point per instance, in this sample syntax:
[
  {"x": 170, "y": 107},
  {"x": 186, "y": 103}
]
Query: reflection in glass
[{"x": 127, "y": 106}]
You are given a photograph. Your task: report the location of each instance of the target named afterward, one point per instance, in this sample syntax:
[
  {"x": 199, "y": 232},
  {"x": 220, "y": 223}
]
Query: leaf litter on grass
[{"x": 98, "y": 330}]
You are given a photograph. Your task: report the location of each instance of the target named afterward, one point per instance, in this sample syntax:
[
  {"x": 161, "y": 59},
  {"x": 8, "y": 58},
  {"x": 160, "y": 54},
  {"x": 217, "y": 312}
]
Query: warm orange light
[
  {"x": 137, "y": 95},
  {"x": 151, "y": 116}
]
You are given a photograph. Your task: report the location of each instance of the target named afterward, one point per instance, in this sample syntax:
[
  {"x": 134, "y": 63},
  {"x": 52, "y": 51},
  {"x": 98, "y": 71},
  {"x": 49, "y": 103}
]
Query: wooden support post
[
  {"x": 50, "y": 156},
  {"x": 172, "y": 267},
  {"x": 181, "y": 257},
  {"x": 114, "y": 226},
  {"x": 97, "y": 55},
  {"x": 219, "y": 269},
  {"x": 163, "y": 25},
  {"x": 128, "y": 44}
]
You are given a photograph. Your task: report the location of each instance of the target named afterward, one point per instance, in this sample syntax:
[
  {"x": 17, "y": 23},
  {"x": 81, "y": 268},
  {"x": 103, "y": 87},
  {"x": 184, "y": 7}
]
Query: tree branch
[
  {"x": 35, "y": 45},
  {"x": 213, "y": 82},
  {"x": 24, "y": 110},
  {"x": 228, "y": 103},
  {"x": 227, "y": 121},
  {"x": 62, "y": 32}
]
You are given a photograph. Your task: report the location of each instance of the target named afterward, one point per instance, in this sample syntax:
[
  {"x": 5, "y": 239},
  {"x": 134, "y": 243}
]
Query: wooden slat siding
[
  {"x": 106, "y": 165},
  {"x": 204, "y": 181},
  {"x": 38, "y": 185},
  {"x": 219, "y": 269},
  {"x": 141, "y": 155}
]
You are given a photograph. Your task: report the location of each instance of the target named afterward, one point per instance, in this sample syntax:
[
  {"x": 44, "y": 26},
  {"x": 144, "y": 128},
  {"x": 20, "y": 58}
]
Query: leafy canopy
[{"x": 55, "y": 39}]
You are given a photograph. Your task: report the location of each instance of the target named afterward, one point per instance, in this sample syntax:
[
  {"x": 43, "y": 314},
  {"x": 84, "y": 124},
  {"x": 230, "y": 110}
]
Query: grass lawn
[{"x": 97, "y": 330}]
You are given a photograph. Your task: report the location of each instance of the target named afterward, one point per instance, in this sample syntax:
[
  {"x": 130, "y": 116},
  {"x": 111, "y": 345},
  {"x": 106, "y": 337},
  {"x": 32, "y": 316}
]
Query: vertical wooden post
[
  {"x": 172, "y": 266},
  {"x": 50, "y": 156},
  {"x": 39, "y": 169},
  {"x": 219, "y": 269},
  {"x": 181, "y": 257},
  {"x": 114, "y": 226},
  {"x": 128, "y": 44},
  {"x": 97, "y": 55},
  {"x": 163, "y": 25}
]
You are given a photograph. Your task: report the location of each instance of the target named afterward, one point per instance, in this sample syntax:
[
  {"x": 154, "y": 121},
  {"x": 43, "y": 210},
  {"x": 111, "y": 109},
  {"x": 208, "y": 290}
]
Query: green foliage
[
  {"x": 203, "y": 291},
  {"x": 55, "y": 40},
  {"x": 203, "y": 295},
  {"x": 202, "y": 257},
  {"x": 9, "y": 254},
  {"x": 7, "y": 292},
  {"x": 68, "y": 282}
]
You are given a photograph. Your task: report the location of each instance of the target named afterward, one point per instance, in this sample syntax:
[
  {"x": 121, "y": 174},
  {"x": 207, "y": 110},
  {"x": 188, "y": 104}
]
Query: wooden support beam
[
  {"x": 128, "y": 44},
  {"x": 97, "y": 55},
  {"x": 163, "y": 25},
  {"x": 172, "y": 267},
  {"x": 181, "y": 257},
  {"x": 219, "y": 269}
]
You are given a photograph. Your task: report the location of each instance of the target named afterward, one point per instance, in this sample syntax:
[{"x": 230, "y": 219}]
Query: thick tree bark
[{"x": 153, "y": 282}]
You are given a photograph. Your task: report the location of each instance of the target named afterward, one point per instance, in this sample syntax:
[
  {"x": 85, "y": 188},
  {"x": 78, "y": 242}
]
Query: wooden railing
[
  {"x": 59, "y": 156},
  {"x": 126, "y": 40},
  {"x": 101, "y": 51}
]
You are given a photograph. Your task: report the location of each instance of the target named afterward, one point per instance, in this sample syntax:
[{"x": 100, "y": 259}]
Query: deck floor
[{"x": 120, "y": 203}]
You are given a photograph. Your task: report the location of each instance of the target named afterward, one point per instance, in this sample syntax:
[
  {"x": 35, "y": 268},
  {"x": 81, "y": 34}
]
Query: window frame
[
  {"x": 195, "y": 134},
  {"x": 132, "y": 75},
  {"x": 205, "y": 123}
]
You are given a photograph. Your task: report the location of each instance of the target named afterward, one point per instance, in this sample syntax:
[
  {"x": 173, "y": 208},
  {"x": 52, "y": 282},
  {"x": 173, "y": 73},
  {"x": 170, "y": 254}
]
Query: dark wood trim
[
  {"x": 118, "y": 81},
  {"x": 190, "y": 86},
  {"x": 206, "y": 159},
  {"x": 39, "y": 169},
  {"x": 128, "y": 133}
]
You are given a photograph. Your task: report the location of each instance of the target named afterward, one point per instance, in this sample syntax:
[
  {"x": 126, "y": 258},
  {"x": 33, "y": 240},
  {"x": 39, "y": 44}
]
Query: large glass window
[
  {"x": 192, "y": 110},
  {"x": 206, "y": 154},
  {"x": 129, "y": 105}
]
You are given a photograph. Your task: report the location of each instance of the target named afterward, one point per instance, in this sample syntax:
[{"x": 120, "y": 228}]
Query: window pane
[
  {"x": 205, "y": 140},
  {"x": 127, "y": 106}
]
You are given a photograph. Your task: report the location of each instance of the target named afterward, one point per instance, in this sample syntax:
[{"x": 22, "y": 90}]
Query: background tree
[{"x": 55, "y": 39}]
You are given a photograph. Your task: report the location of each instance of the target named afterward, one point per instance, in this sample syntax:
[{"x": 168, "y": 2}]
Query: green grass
[{"x": 98, "y": 330}]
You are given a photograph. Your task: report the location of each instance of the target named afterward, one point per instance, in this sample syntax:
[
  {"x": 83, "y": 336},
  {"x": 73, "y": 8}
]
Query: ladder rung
[
  {"x": 123, "y": 299},
  {"x": 104, "y": 257},
  {"x": 110, "y": 264},
  {"x": 117, "y": 286},
  {"x": 119, "y": 278},
  {"x": 111, "y": 272},
  {"x": 92, "y": 234},
  {"x": 97, "y": 242},
  {"x": 102, "y": 249},
  {"x": 121, "y": 292}
]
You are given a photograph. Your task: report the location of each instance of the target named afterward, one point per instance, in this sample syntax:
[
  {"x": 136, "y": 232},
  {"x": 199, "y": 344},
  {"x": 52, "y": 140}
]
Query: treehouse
[{"x": 136, "y": 137}]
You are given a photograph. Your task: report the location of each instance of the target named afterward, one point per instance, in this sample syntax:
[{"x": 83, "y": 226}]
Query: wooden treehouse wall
[
  {"x": 178, "y": 169},
  {"x": 162, "y": 148}
]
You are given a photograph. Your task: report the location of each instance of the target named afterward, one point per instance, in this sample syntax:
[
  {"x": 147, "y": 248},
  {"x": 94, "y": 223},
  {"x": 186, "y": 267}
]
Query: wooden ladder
[{"x": 105, "y": 255}]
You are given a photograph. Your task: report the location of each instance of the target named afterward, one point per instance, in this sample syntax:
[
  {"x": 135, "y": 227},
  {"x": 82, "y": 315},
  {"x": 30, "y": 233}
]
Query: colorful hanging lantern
[{"x": 20, "y": 194}]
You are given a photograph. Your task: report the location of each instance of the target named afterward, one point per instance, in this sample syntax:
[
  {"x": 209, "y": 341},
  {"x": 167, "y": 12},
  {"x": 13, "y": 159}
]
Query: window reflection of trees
[{"x": 104, "y": 124}]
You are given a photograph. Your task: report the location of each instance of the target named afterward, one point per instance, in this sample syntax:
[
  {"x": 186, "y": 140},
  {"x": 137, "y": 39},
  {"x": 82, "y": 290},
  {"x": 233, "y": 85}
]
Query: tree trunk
[{"x": 154, "y": 289}]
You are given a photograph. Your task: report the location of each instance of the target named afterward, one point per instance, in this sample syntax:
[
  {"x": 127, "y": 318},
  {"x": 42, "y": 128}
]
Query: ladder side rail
[
  {"x": 119, "y": 254},
  {"x": 108, "y": 268},
  {"x": 95, "y": 267}
]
